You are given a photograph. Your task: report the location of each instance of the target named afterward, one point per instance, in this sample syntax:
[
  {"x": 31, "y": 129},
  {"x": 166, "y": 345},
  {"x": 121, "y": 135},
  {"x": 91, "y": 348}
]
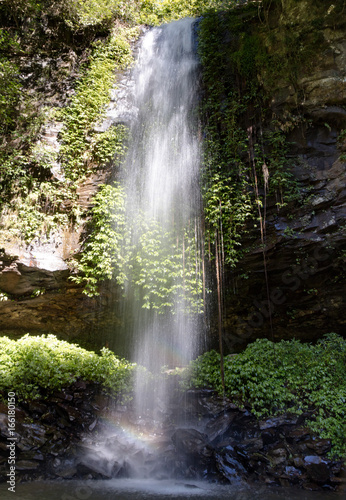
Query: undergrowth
[
  {"x": 288, "y": 376},
  {"x": 33, "y": 366}
]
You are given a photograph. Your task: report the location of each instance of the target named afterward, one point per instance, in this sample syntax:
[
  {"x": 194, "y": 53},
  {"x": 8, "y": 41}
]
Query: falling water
[{"x": 161, "y": 179}]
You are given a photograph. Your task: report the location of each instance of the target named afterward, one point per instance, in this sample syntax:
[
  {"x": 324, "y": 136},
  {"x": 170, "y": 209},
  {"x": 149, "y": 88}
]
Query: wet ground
[{"x": 129, "y": 489}]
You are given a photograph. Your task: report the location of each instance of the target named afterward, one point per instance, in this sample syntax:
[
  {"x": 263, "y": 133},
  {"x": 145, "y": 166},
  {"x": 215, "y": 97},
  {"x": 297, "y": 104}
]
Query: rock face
[
  {"x": 305, "y": 241},
  {"x": 305, "y": 255},
  {"x": 78, "y": 433}
]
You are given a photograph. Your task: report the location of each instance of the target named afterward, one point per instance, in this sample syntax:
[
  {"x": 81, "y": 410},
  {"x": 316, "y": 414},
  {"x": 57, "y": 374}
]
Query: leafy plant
[
  {"x": 31, "y": 366},
  {"x": 105, "y": 250},
  {"x": 284, "y": 377},
  {"x": 88, "y": 105},
  {"x": 159, "y": 265}
]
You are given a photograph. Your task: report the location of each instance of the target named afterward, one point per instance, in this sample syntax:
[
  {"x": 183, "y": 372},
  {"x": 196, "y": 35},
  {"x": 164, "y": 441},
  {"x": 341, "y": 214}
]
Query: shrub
[
  {"x": 284, "y": 377},
  {"x": 31, "y": 366}
]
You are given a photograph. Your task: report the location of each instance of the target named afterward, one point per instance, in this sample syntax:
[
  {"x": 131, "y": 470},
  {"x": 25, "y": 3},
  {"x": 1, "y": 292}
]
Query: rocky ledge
[{"x": 79, "y": 433}]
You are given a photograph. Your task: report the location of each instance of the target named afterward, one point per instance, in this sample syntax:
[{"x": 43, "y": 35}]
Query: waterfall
[{"x": 163, "y": 289}]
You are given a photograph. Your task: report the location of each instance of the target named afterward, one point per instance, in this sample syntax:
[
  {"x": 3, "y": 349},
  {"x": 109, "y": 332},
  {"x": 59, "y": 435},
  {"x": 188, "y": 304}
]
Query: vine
[
  {"x": 79, "y": 144},
  {"x": 162, "y": 267}
]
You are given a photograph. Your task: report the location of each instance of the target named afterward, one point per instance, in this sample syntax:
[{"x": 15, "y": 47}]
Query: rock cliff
[{"x": 304, "y": 245}]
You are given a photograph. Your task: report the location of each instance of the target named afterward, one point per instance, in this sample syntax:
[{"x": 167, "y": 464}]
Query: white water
[{"x": 161, "y": 175}]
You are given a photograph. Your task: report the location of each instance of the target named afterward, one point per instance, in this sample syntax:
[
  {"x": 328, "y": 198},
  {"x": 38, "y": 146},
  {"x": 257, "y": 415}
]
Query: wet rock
[
  {"x": 250, "y": 445},
  {"x": 64, "y": 396},
  {"x": 228, "y": 466},
  {"x": 67, "y": 472},
  {"x": 218, "y": 426},
  {"x": 33, "y": 436},
  {"x": 239, "y": 449},
  {"x": 92, "y": 426},
  {"x": 311, "y": 487},
  {"x": 317, "y": 469},
  {"x": 278, "y": 421},
  {"x": 25, "y": 465},
  {"x": 97, "y": 466},
  {"x": 33, "y": 455},
  {"x": 56, "y": 449},
  {"x": 35, "y": 407},
  {"x": 299, "y": 433},
  {"x": 72, "y": 413},
  {"x": 191, "y": 442},
  {"x": 277, "y": 456},
  {"x": 298, "y": 462},
  {"x": 49, "y": 417},
  {"x": 269, "y": 436},
  {"x": 292, "y": 473},
  {"x": 320, "y": 446}
]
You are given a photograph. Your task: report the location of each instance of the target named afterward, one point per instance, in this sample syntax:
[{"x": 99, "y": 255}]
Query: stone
[
  {"x": 97, "y": 466},
  {"x": 292, "y": 472},
  {"x": 67, "y": 472},
  {"x": 317, "y": 469},
  {"x": 319, "y": 446},
  {"x": 26, "y": 465},
  {"x": 269, "y": 436},
  {"x": 191, "y": 442},
  {"x": 220, "y": 425},
  {"x": 250, "y": 445},
  {"x": 298, "y": 462},
  {"x": 228, "y": 466},
  {"x": 277, "y": 456},
  {"x": 278, "y": 421},
  {"x": 35, "y": 407},
  {"x": 72, "y": 413},
  {"x": 299, "y": 434},
  {"x": 63, "y": 395},
  {"x": 311, "y": 487}
]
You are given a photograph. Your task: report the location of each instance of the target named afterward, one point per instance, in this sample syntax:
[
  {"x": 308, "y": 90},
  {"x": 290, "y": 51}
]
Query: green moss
[{"x": 285, "y": 377}]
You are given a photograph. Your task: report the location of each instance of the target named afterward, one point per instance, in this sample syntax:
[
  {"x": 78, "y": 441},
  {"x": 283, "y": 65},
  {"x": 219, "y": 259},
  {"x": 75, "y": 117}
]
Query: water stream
[{"x": 163, "y": 290}]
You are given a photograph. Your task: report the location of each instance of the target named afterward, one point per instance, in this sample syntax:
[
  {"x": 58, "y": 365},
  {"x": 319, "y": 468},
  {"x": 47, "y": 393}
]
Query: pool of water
[{"x": 129, "y": 489}]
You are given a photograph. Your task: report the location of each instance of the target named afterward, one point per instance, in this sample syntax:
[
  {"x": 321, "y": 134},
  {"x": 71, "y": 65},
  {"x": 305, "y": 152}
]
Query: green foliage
[
  {"x": 40, "y": 208},
  {"x": 88, "y": 105},
  {"x": 28, "y": 209},
  {"x": 105, "y": 251},
  {"x": 243, "y": 162},
  {"x": 33, "y": 366},
  {"x": 285, "y": 377},
  {"x": 166, "y": 269},
  {"x": 109, "y": 146},
  {"x": 226, "y": 211},
  {"x": 226, "y": 192},
  {"x": 9, "y": 82},
  {"x": 160, "y": 266}
]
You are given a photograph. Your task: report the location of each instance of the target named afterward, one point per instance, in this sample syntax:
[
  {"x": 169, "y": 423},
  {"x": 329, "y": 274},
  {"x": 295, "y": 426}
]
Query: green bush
[
  {"x": 284, "y": 377},
  {"x": 31, "y": 366}
]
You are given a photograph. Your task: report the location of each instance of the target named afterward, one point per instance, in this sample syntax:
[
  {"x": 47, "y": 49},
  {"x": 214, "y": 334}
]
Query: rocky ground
[{"x": 78, "y": 433}]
